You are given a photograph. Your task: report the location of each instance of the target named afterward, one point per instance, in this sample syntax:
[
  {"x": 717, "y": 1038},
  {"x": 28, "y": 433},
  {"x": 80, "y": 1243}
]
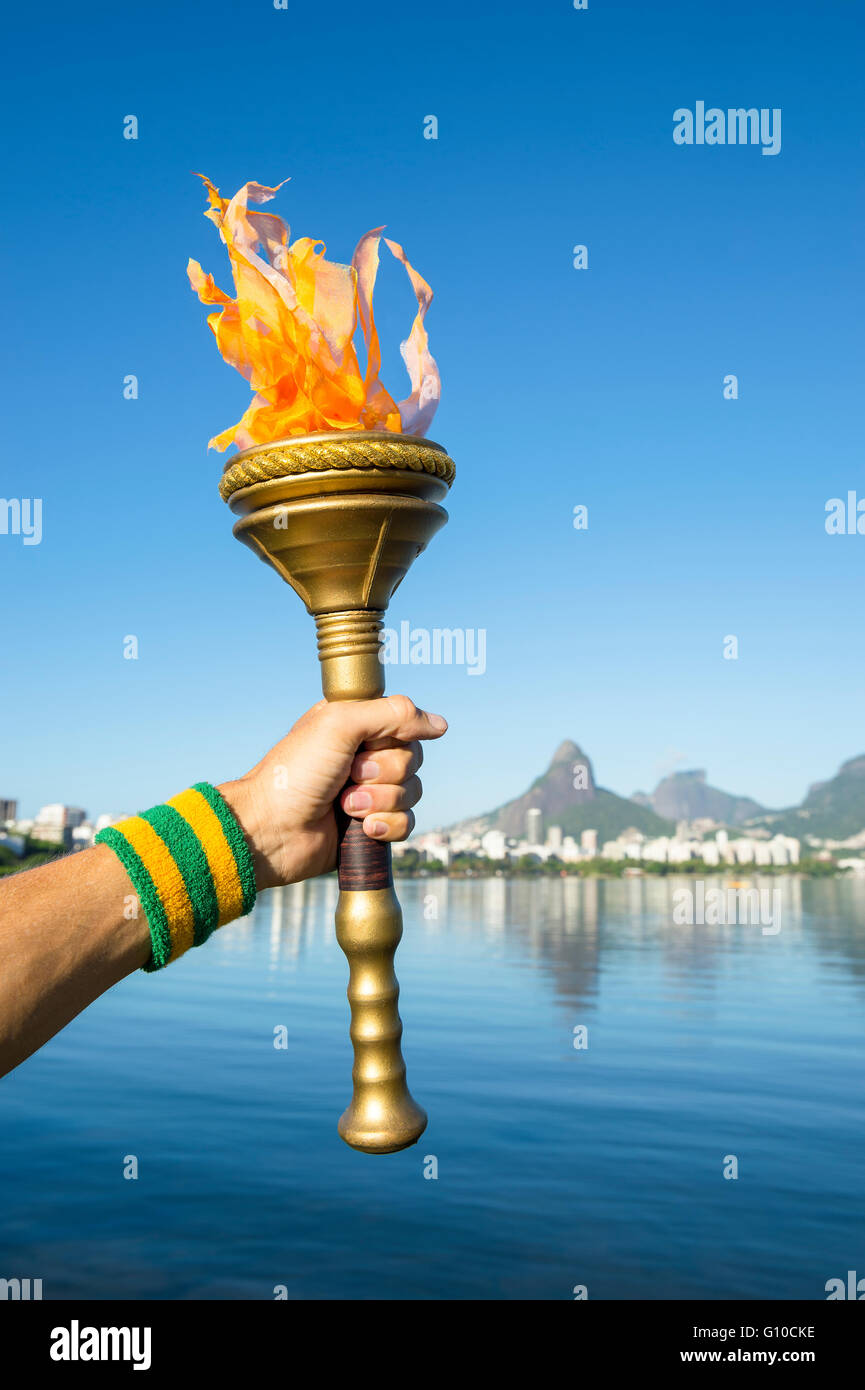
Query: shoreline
[{"x": 811, "y": 869}]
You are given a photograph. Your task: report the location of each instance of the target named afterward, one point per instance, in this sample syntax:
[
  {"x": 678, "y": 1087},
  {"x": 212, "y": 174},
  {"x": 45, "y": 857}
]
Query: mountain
[
  {"x": 686, "y": 796},
  {"x": 567, "y": 795},
  {"x": 833, "y": 810}
]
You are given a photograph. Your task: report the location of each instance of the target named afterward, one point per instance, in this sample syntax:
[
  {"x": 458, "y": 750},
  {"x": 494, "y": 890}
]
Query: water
[{"x": 556, "y": 1167}]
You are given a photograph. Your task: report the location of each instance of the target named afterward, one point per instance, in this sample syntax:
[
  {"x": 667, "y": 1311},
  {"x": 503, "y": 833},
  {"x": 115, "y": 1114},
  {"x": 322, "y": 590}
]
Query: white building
[
  {"x": 493, "y": 844},
  {"x": 554, "y": 838},
  {"x": 632, "y": 842},
  {"x": 463, "y": 843},
  {"x": 784, "y": 849},
  {"x": 83, "y": 836},
  {"x": 50, "y": 824},
  {"x": 433, "y": 845}
]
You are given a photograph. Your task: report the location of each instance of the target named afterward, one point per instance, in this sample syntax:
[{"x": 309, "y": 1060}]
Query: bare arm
[
  {"x": 70, "y": 930},
  {"x": 64, "y": 940}
]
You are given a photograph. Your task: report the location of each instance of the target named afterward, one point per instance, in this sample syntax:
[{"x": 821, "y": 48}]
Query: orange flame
[{"x": 290, "y": 330}]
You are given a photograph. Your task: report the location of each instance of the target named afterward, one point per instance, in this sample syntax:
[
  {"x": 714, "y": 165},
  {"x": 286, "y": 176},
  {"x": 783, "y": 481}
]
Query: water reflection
[
  {"x": 300, "y": 917},
  {"x": 558, "y": 1165},
  {"x": 563, "y": 926}
]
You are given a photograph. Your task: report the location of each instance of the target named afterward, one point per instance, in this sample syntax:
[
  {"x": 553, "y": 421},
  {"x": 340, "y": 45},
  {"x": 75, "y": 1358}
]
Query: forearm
[
  {"x": 72, "y": 929},
  {"x": 162, "y": 881},
  {"x": 68, "y": 931}
]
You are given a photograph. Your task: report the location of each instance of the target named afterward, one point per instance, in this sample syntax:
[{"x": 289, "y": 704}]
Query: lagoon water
[{"x": 557, "y": 1167}]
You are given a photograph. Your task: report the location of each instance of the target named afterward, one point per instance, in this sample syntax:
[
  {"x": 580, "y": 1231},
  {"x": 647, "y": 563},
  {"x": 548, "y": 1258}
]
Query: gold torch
[
  {"x": 338, "y": 493},
  {"x": 341, "y": 516}
]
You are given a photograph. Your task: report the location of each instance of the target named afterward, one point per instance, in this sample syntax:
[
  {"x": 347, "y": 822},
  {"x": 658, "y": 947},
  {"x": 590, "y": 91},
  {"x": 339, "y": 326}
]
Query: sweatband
[{"x": 190, "y": 866}]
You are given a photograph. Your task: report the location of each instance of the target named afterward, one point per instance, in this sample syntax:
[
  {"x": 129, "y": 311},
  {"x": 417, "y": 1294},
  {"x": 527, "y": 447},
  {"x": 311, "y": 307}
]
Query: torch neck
[{"x": 349, "y": 649}]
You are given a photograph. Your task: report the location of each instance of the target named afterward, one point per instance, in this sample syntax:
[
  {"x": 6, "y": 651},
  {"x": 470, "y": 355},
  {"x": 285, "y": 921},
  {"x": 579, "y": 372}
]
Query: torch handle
[
  {"x": 363, "y": 864},
  {"x": 382, "y": 1116}
]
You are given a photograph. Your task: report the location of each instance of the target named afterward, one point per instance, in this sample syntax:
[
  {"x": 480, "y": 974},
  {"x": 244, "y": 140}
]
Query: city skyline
[
  {"x": 690, "y": 842},
  {"x": 25, "y": 812},
  {"x": 58, "y": 814},
  {"x": 70, "y": 827}
]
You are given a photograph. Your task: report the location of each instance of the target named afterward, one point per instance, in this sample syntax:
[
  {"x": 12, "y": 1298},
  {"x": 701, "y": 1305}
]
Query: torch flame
[{"x": 291, "y": 329}]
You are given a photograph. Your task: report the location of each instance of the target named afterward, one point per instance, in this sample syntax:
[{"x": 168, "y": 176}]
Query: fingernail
[
  {"x": 367, "y": 769},
  {"x": 438, "y": 723},
  {"x": 358, "y": 800},
  {"x": 375, "y": 827}
]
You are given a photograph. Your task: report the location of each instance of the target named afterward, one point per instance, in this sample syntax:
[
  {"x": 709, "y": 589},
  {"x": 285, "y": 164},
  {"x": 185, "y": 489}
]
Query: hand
[{"x": 285, "y": 804}]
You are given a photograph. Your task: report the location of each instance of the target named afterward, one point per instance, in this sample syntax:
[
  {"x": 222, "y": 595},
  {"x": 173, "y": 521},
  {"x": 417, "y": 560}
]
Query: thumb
[{"x": 393, "y": 716}]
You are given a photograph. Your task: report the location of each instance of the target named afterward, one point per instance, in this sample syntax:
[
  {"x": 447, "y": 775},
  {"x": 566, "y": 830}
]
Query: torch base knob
[{"x": 364, "y": 1132}]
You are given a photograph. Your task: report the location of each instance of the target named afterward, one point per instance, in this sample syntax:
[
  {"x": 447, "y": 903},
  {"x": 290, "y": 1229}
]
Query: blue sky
[{"x": 601, "y": 387}]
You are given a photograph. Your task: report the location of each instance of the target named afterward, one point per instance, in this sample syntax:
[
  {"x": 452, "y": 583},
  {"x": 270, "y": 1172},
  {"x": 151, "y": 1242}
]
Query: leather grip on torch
[{"x": 382, "y": 1117}]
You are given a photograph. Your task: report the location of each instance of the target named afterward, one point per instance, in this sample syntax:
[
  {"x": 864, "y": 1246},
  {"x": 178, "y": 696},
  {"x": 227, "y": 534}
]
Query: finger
[
  {"x": 363, "y": 801},
  {"x": 374, "y": 744},
  {"x": 387, "y": 764},
  {"x": 393, "y": 716},
  {"x": 389, "y": 825}
]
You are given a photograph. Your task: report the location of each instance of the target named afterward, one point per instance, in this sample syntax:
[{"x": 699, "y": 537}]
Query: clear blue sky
[{"x": 603, "y": 387}]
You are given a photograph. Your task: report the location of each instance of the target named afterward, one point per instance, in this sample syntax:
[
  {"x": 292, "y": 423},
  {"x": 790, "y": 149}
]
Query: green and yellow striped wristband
[{"x": 190, "y": 867}]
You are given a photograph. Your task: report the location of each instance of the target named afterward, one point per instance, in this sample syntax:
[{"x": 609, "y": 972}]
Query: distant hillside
[
  {"x": 833, "y": 810},
  {"x": 575, "y": 808},
  {"x": 686, "y": 796}
]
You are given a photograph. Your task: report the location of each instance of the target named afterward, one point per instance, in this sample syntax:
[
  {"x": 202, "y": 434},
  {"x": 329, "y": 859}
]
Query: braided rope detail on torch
[{"x": 283, "y": 459}]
